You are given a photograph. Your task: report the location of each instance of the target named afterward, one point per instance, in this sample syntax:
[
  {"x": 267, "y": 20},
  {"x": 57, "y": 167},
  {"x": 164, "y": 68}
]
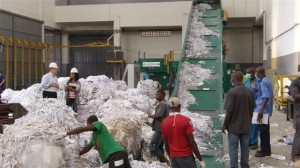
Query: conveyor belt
[{"x": 209, "y": 97}]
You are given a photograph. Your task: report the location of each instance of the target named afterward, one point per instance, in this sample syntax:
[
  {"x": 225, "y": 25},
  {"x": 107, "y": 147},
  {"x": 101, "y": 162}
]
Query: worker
[
  {"x": 171, "y": 82},
  {"x": 252, "y": 84},
  {"x": 294, "y": 89},
  {"x": 2, "y": 82},
  {"x": 109, "y": 150},
  {"x": 156, "y": 147},
  {"x": 263, "y": 111},
  {"x": 239, "y": 105},
  {"x": 72, "y": 89},
  {"x": 177, "y": 131},
  {"x": 146, "y": 75},
  {"x": 49, "y": 82}
]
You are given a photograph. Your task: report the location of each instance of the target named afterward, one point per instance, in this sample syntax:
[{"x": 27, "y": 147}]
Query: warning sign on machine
[{"x": 151, "y": 64}]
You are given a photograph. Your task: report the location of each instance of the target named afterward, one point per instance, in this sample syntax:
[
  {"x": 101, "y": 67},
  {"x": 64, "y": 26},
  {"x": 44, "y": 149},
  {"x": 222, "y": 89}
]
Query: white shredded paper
[{"x": 196, "y": 45}]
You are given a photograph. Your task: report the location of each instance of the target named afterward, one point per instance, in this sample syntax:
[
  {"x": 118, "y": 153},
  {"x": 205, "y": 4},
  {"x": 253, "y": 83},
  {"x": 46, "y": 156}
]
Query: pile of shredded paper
[
  {"x": 119, "y": 108},
  {"x": 148, "y": 87}
]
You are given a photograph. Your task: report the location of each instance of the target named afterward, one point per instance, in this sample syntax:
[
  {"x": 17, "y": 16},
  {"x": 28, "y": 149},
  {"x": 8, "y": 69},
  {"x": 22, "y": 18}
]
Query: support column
[
  {"x": 117, "y": 31},
  {"x": 65, "y": 55},
  {"x": 130, "y": 76},
  {"x": 117, "y": 44}
]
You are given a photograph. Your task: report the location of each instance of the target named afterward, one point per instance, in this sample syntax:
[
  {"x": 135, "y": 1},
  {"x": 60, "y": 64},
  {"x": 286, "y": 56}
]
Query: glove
[
  {"x": 62, "y": 134},
  {"x": 202, "y": 164},
  {"x": 144, "y": 116}
]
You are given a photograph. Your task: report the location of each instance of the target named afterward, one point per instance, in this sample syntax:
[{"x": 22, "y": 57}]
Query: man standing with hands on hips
[{"x": 49, "y": 82}]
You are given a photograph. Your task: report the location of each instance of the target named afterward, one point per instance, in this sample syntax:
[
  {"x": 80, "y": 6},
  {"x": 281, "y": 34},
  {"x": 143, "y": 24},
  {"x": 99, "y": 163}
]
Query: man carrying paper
[{"x": 263, "y": 111}]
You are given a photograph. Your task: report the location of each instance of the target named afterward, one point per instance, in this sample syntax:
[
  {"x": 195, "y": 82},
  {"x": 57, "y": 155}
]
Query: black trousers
[
  {"x": 296, "y": 142},
  {"x": 171, "y": 88},
  {"x": 118, "y": 160},
  {"x": 264, "y": 133},
  {"x": 49, "y": 95}
]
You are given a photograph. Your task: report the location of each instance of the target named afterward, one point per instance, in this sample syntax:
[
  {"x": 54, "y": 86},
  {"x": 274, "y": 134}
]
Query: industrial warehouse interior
[{"x": 149, "y": 83}]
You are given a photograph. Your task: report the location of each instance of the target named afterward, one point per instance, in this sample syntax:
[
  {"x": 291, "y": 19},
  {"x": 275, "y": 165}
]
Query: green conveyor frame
[{"x": 209, "y": 97}]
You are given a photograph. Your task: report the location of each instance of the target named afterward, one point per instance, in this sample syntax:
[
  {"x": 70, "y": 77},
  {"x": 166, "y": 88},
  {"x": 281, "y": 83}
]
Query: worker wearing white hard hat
[
  {"x": 72, "y": 89},
  {"x": 49, "y": 82},
  {"x": 177, "y": 132}
]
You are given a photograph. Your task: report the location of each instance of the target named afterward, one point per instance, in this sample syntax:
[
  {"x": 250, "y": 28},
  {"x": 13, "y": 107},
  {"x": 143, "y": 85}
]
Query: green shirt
[{"x": 104, "y": 142}]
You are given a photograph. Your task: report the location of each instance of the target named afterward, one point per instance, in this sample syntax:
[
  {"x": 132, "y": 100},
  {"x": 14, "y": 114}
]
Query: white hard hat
[
  {"x": 174, "y": 102},
  {"x": 53, "y": 65},
  {"x": 74, "y": 70}
]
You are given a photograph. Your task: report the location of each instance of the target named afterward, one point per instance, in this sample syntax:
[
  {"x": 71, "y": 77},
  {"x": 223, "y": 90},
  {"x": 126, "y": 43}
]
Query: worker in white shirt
[{"x": 49, "y": 82}]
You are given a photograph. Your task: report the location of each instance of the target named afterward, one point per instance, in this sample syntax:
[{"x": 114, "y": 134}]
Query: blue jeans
[
  {"x": 72, "y": 103},
  {"x": 253, "y": 139},
  {"x": 234, "y": 141}
]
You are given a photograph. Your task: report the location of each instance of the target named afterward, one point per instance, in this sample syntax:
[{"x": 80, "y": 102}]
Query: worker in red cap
[{"x": 177, "y": 131}]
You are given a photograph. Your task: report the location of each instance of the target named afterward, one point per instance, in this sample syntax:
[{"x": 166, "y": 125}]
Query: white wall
[
  {"x": 48, "y": 13},
  {"x": 131, "y": 15},
  {"x": 155, "y": 47},
  {"x": 29, "y": 8},
  {"x": 43, "y": 10},
  {"x": 240, "y": 8},
  {"x": 281, "y": 32},
  {"x": 86, "y": 27}
]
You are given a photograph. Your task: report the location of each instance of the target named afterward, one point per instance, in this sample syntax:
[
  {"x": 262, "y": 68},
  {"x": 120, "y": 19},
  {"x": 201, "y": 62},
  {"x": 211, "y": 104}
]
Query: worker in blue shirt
[
  {"x": 252, "y": 84},
  {"x": 264, "y": 108},
  {"x": 146, "y": 75}
]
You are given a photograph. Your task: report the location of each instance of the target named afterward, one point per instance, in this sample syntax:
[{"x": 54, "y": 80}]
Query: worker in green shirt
[{"x": 109, "y": 150}]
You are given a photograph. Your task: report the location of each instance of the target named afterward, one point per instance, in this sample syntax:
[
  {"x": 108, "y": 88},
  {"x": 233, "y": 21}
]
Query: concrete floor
[{"x": 279, "y": 128}]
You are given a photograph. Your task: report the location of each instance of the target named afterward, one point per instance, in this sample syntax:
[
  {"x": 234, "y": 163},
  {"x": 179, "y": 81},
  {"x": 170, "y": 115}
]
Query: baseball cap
[{"x": 174, "y": 102}]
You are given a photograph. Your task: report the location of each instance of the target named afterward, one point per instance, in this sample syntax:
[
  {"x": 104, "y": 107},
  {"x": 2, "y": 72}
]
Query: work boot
[
  {"x": 260, "y": 154},
  {"x": 253, "y": 147}
]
